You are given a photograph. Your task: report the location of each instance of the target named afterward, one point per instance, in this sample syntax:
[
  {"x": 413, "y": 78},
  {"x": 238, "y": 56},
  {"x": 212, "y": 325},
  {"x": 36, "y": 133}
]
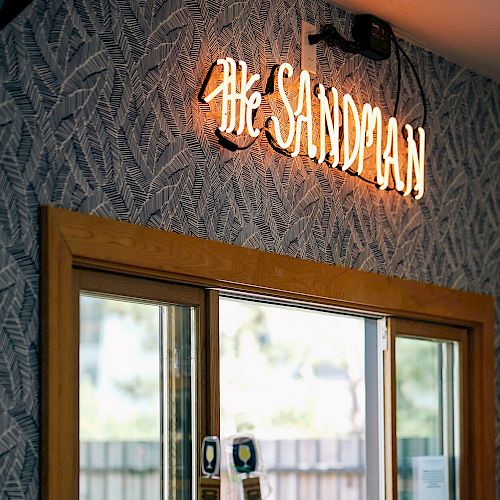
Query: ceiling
[{"x": 466, "y": 32}]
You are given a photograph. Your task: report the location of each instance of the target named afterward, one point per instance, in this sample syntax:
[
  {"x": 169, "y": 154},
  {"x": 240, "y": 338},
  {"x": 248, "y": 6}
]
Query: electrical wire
[
  {"x": 227, "y": 143},
  {"x": 398, "y": 56},
  {"x": 332, "y": 37},
  {"x": 399, "y": 50}
]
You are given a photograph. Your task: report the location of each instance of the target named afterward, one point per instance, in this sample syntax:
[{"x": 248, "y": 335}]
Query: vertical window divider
[
  {"x": 164, "y": 419},
  {"x": 391, "y": 456},
  {"x": 213, "y": 367},
  {"x": 197, "y": 364},
  {"x": 374, "y": 418},
  {"x": 382, "y": 344}
]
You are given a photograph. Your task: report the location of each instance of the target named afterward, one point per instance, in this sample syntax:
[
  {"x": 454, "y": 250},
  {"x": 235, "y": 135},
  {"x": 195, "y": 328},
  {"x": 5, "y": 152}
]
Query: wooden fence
[{"x": 326, "y": 469}]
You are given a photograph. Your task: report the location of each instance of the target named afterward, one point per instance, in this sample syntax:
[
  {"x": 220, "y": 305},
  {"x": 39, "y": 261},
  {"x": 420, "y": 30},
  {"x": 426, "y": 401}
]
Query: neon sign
[{"x": 315, "y": 124}]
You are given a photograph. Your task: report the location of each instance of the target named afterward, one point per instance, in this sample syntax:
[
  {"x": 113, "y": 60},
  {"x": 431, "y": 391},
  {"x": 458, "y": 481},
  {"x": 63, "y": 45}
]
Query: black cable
[
  {"x": 332, "y": 37},
  {"x": 419, "y": 83},
  {"x": 227, "y": 143},
  {"x": 398, "y": 56}
]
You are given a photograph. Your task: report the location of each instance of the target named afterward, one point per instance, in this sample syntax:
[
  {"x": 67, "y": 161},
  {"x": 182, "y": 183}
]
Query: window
[
  {"x": 121, "y": 398},
  {"x": 429, "y": 368},
  {"x": 413, "y": 406},
  {"x": 296, "y": 378},
  {"x": 137, "y": 385}
]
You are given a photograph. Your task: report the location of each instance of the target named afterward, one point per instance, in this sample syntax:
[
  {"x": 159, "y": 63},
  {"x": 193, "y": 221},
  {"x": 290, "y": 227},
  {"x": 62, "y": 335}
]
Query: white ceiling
[{"x": 463, "y": 31}]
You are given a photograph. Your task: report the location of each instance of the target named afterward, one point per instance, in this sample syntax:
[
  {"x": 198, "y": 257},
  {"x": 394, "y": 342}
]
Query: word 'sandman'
[{"x": 239, "y": 108}]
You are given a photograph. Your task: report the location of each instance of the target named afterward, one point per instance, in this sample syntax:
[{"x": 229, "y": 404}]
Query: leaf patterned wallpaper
[{"x": 99, "y": 114}]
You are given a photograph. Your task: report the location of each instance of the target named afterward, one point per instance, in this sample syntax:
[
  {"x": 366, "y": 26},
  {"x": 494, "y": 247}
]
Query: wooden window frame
[
  {"x": 402, "y": 327},
  {"x": 109, "y": 284},
  {"x": 71, "y": 241}
]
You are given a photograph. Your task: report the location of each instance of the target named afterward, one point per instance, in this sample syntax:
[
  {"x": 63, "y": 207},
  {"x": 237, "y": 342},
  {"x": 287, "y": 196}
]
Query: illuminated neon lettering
[
  {"x": 307, "y": 118},
  {"x": 350, "y": 158},
  {"x": 328, "y": 125},
  {"x": 230, "y": 95},
  {"x": 415, "y": 162},
  {"x": 223, "y": 88},
  {"x": 322, "y": 126},
  {"x": 371, "y": 121},
  {"x": 284, "y": 144},
  {"x": 391, "y": 158}
]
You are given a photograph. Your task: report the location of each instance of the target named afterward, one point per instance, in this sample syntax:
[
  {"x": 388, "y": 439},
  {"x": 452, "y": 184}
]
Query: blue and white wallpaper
[{"x": 99, "y": 114}]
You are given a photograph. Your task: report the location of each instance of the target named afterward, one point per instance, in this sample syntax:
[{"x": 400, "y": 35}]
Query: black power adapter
[{"x": 373, "y": 37}]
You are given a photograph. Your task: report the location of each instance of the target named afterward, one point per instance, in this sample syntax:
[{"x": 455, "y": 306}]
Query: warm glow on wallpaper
[{"x": 310, "y": 121}]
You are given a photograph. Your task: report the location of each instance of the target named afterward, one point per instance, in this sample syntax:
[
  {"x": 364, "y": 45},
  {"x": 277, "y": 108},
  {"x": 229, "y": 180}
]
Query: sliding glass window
[
  {"x": 429, "y": 367},
  {"x": 304, "y": 382},
  {"x": 137, "y": 396}
]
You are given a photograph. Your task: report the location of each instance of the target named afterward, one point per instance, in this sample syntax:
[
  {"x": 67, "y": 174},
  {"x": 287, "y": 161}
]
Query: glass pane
[
  {"x": 135, "y": 387},
  {"x": 295, "y": 379},
  {"x": 179, "y": 377},
  {"x": 427, "y": 419}
]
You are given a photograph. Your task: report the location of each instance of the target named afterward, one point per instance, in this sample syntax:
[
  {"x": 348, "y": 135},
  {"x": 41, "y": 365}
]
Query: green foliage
[
  {"x": 417, "y": 388},
  {"x": 275, "y": 382},
  {"x": 135, "y": 425},
  {"x": 138, "y": 393}
]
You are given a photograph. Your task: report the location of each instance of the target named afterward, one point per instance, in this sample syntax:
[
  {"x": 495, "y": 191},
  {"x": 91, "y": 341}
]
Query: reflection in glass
[
  {"x": 294, "y": 378},
  {"x": 135, "y": 400},
  {"x": 427, "y": 419}
]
